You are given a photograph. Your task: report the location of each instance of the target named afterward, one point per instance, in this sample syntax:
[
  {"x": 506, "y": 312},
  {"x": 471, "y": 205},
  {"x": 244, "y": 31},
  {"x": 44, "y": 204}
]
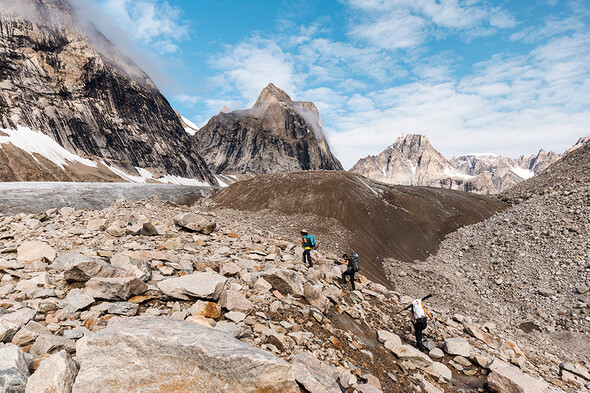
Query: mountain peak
[{"x": 272, "y": 94}]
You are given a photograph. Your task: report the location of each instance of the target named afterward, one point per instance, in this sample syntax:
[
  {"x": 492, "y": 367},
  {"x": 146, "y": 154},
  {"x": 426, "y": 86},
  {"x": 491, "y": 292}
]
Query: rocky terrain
[
  {"x": 151, "y": 296},
  {"x": 526, "y": 267},
  {"x": 67, "y": 83},
  {"x": 412, "y": 160},
  {"x": 276, "y": 135},
  {"x": 350, "y": 212}
]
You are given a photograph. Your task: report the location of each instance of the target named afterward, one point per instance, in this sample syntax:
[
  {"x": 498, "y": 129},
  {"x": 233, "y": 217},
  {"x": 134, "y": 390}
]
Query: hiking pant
[
  {"x": 419, "y": 326},
  {"x": 307, "y": 254},
  {"x": 349, "y": 272}
]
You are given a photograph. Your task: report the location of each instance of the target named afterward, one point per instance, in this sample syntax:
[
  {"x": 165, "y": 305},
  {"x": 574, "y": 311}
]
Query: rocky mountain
[
  {"x": 526, "y": 267},
  {"x": 348, "y": 212},
  {"x": 158, "y": 297},
  {"x": 103, "y": 117},
  {"x": 275, "y": 135},
  {"x": 412, "y": 160}
]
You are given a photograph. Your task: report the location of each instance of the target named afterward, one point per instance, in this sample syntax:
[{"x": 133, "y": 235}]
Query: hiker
[
  {"x": 307, "y": 242},
  {"x": 352, "y": 266},
  {"x": 419, "y": 320}
]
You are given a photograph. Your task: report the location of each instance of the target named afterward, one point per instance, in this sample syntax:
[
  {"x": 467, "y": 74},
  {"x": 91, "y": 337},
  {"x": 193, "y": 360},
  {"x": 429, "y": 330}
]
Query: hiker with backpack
[
  {"x": 352, "y": 266},
  {"x": 419, "y": 319},
  {"x": 308, "y": 243}
]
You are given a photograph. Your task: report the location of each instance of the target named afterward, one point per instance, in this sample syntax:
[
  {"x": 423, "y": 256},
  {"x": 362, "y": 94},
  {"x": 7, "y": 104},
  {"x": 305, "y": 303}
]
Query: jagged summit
[
  {"x": 412, "y": 160},
  {"x": 270, "y": 95},
  {"x": 276, "y": 135}
]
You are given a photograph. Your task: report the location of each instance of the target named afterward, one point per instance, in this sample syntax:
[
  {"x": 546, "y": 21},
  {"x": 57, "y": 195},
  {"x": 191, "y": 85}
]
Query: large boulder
[
  {"x": 314, "y": 375},
  {"x": 315, "y": 297},
  {"x": 116, "y": 288},
  {"x": 13, "y": 369},
  {"x": 76, "y": 300},
  {"x": 29, "y": 333},
  {"x": 504, "y": 378},
  {"x": 138, "y": 267},
  {"x": 35, "y": 250},
  {"x": 202, "y": 285},
  {"x": 406, "y": 352},
  {"x": 8, "y": 330},
  {"x": 83, "y": 268},
  {"x": 457, "y": 346},
  {"x": 195, "y": 223},
  {"x": 55, "y": 374},
  {"x": 50, "y": 344},
  {"x": 285, "y": 281},
  {"x": 235, "y": 301},
  {"x": 159, "y": 354}
]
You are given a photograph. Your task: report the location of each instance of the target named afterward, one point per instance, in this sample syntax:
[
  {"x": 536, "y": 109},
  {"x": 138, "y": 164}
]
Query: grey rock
[
  {"x": 115, "y": 288},
  {"x": 203, "y": 285},
  {"x": 13, "y": 369},
  {"x": 406, "y": 352},
  {"x": 505, "y": 378},
  {"x": 195, "y": 223},
  {"x": 123, "y": 308},
  {"x": 314, "y": 375},
  {"x": 137, "y": 267},
  {"x": 83, "y": 268},
  {"x": 55, "y": 374},
  {"x": 195, "y": 357},
  {"x": 29, "y": 333},
  {"x": 21, "y": 316},
  {"x": 235, "y": 301},
  {"x": 77, "y": 299},
  {"x": 50, "y": 344},
  {"x": 8, "y": 330},
  {"x": 457, "y": 346},
  {"x": 285, "y": 281}
]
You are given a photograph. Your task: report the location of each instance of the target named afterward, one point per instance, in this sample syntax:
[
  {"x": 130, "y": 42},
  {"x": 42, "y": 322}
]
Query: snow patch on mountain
[
  {"x": 523, "y": 172},
  {"x": 191, "y": 128},
  {"x": 146, "y": 176},
  {"x": 34, "y": 142}
]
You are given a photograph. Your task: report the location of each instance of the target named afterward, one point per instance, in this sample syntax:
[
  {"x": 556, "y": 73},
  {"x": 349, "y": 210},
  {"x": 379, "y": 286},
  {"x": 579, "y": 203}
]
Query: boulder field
[{"x": 135, "y": 298}]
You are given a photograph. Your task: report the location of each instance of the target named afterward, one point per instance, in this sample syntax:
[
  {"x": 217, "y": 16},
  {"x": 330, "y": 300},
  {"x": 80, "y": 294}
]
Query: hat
[{"x": 304, "y": 231}]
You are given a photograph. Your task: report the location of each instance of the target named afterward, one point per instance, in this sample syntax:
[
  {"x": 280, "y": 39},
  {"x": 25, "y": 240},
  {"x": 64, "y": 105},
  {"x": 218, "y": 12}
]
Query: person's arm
[{"x": 412, "y": 315}]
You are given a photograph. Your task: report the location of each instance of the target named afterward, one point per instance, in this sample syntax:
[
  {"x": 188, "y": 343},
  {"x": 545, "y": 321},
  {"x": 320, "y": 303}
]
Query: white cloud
[
  {"x": 150, "y": 21},
  {"x": 404, "y": 24},
  {"x": 512, "y": 105},
  {"x": 251, "y": 65}
]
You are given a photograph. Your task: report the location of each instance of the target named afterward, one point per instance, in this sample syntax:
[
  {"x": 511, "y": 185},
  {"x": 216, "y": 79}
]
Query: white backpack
[{"x": 418, "y": 310}]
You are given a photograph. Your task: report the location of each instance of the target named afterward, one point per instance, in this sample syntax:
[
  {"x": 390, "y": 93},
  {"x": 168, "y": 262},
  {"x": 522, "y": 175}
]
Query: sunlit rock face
[
  {"x": 275, "y": 135},
  {"x": 61, "y": 77}
]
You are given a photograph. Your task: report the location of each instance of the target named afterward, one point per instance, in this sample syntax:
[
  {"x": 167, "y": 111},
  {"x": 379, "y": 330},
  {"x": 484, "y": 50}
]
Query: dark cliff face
[
  {"x": 93, "y": 102},
  {"x": 276, "y": 135}
]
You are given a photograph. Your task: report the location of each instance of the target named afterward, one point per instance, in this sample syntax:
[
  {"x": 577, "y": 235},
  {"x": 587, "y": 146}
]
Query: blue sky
[{"x": 506, "y": 77}]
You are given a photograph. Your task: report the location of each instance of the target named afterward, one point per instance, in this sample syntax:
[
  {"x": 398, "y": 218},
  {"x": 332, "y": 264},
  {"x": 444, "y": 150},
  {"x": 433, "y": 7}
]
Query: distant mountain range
[{"x": 412, "y": 160}]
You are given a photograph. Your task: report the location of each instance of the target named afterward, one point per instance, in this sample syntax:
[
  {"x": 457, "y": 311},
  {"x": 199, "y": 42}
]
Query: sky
[{"x": 503, "y": 77}]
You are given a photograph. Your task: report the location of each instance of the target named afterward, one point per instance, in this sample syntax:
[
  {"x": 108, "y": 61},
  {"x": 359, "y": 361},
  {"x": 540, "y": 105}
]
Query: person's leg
[
  {"x": 344, "y": 277},
  {"x": 307, "y": 255},
  {"x": 352, "y": 280},
  {"x": 418, "y": 328}
]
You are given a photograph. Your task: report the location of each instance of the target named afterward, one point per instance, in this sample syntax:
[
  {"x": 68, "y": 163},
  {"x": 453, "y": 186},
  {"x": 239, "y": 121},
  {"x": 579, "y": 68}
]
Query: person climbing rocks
[
  {"x": 419, "y": 319},
  {"x": 352, "y": 266},
  {"x": 308, "y": 243}
]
